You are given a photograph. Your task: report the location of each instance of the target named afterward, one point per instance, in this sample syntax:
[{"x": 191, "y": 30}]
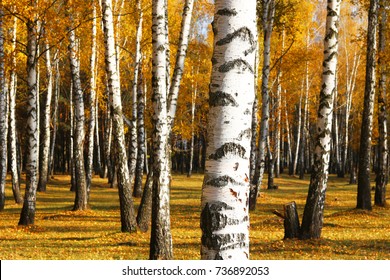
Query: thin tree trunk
[
  {"x": 3, "y": 116},
  {"x": 145, "y": 208},
  {"x": 71, "y": 140},
  {"x": 364, "y": 170},
  {"x": 314, "y": 208},
  {"x": 55, "y": 113},
  {"x": 81, "y": 200},
  {"x": 128, "y": 222},
  {"x": 92, "y": 101},
  {"x": 141, "y": 159},
  {"x": 12, "y": 121},
  {"x": 97, "y": 140},
  {"x": 299, "y": 136},
  {"x": 383, "y": 172},
  {"x": 225, "y": 191},
  {"x": 27, "y": 215},
  {"x": 267, "y": 23},
  {"x": 194, "y": 92},
  {"x": 44, "y": 164},
  {"x": 133, "y": 155}
]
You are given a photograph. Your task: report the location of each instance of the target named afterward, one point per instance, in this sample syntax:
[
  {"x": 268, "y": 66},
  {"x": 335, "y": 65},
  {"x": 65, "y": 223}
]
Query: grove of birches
[{"x": 238, "y": 90}]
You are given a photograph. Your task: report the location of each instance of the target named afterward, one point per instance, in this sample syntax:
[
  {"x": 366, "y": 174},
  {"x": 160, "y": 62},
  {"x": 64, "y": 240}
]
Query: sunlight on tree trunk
[{"x": 225, "y": 191}]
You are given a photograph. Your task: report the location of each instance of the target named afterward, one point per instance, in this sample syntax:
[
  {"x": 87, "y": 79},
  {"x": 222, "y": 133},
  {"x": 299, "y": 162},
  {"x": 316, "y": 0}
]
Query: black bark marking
[
  {"x": 229, "y": 148},
  {"x": 222, "y": 181},
  {"x": 220, "y": 98},
  {"x": 245, "y": 133},
  {"x": 213, "y": 220},
  {"x": 240, "y": 63},
  {"x": 227, "y": 12},
  {"x": 243, "y": 33}
]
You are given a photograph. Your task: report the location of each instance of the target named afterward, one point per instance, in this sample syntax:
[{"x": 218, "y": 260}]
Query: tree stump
[{"x": 291, "y": 221}]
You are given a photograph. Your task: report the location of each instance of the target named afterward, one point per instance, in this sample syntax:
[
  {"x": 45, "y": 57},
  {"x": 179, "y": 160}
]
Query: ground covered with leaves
[{"x": 60, "y": 233}]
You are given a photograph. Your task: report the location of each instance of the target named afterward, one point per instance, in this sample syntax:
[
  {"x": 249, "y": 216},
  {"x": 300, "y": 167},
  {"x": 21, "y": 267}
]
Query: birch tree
[
  {"x": 44, "y": 164},
  {"x": 364, "y": 187},
  {"x": 3, "y": 116},
  {"x": 314, "y": 209},
  {"x": 128, "y": 223},
  {"x": 12, "y": 120},
  {"x": 134, "y": 130},
  {"x": 80, "y": 202},
  {"x": 27, "y": 215},
  {"x": 164, "y": 110},
  {"x": 382, "y": 173},
  {"x": 268, "y": 12},
  {"x": 225, "y": 191},
  {"x": 92, "y": 99},
  {"x": 161, "y": 238}
]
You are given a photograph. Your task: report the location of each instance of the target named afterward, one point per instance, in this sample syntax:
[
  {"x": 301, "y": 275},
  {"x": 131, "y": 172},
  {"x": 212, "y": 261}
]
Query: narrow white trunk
[
  {"x": 3, "y": 117},
  {"x": 180, "y": 58},
  {"x": 314, "y": 209},
  {"x": 43, "y": 174},
  {"x": 92, "y": 100},
  {"x": 128, "y": 223},
  {"x": 80, "y": 202}
]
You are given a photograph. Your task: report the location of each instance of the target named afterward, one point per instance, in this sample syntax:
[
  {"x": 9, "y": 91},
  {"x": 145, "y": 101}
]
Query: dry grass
[{"x": 59, "y": 233}]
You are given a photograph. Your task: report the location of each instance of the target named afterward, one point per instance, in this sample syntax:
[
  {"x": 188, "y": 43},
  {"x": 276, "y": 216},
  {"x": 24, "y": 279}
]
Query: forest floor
[{"x": 60, "y": 233}]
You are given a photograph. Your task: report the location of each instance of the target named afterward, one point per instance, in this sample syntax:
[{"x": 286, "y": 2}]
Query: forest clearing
[{"x": 94, "y": 234}]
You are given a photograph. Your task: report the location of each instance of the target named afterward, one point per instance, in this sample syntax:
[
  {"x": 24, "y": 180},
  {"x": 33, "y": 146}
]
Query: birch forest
[{"x": 194, "y": 129}]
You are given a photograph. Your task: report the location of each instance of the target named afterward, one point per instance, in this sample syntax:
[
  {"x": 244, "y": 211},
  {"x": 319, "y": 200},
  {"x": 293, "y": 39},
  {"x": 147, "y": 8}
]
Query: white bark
[
  {"x": 180, "y": 58},
  {"x": 161, "y": 238},
  {"x": 133, "y": 124},
  {"x": 314, "y": 209},
  {"x": 267, "y": 23},
  {"x": 3, "y": 116},
  {"x": 80, "y": 202},
  {"x": 225, "y": 192},
  {"x": 128, "y": 223},
  {"x": 92, "y": 100},
  {"x": 43, "y": 174},
  {"x": 27, "y": 215}
]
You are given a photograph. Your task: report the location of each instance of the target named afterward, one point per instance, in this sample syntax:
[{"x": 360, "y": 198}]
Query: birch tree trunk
[
  {"x": 133, "y": 128},
  {"x": 364, "y": 170},
  {"x": 194, "y": 92},
  {"x": 161, "y": 239},
  {"x": 27, "y": 214},
  {"x": 81, "y": 201},
  {"x": 314, "y": 209},
  {"x": 141, "y": 161},
  {"x": 225, "y": 191},
  {"x": 128, "y": 223},
  {"x": 180, "y": 59},
  {"x": 267, "y": 23},
  {"x": 3, "y": 116},
  {"x": 71, "y": 140},
  {"x": 44, "y": 164},
  {"x": 383, "y": 172},
  {"x": 55, "y": 112},
  {"x": 92, "y": 101},
  {"x": 12, "y": 121}
]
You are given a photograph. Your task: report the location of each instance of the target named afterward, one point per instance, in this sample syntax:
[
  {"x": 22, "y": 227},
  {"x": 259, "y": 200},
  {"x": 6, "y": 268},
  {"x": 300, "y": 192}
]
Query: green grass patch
[{"x": 60, "y": 233}]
